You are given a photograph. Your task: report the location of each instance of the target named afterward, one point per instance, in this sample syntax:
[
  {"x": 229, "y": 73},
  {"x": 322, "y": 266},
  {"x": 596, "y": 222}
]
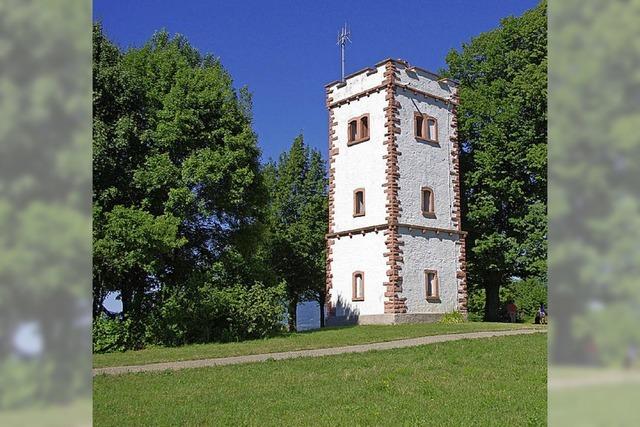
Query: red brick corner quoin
[
  {"x": 393, "y": 303},
  {"x": 333, "y": 151},
  {"x": 461, "y": 273}
]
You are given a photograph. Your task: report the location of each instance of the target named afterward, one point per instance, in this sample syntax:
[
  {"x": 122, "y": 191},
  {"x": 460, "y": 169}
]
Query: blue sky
[{"x": 285, "y": 51}]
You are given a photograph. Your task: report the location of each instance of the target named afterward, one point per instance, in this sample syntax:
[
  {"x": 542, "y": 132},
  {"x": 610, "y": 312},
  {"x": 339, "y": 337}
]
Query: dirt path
[{"x": 116, "y": 370}]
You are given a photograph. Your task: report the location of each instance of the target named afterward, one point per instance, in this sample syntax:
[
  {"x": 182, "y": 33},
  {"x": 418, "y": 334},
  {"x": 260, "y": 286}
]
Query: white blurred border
[
  {"x": 594, "y": 212},
  {"x": 45, "y": 212}
]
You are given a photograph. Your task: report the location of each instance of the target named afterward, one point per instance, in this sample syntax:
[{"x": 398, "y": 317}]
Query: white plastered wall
[
  {"x": 429, "y": 251},
  {"x": 426, "y": 164},
  {"x": 423, "y": 163},
  {"x": 360, "y": 165},
  {"x": 424, "y": 81},
  {"x": 357, "y": 84},
  {"x": 359, "y": 253}
]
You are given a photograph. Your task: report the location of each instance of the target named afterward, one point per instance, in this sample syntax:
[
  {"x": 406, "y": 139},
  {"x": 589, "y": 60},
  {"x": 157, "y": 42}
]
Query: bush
[
  {"x": 257, "y": 312},
  {"x": 453, "y": 317},
  {"x": 198, "y": 315},
  {"x": 475, "y": 305},
  {"x": 527, "y": 295},
  {"x": 109, "y": 334}
]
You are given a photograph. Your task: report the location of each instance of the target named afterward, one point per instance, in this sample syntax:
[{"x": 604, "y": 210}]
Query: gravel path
[{"x": 116, "y": 370}]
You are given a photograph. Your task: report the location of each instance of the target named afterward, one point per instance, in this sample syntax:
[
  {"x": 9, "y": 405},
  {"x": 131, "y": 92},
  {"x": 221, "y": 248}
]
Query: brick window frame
[
  {"x": 435, "y": 286},
  {"x": 421, "y": 128},
  {"x": 362, "y": 129},
  {"x": 354, "y": 286},
  {"x": 431, "y": 211},
  {"x": 357, "y": 213}
]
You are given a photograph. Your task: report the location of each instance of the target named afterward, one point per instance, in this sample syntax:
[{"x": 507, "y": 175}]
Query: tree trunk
[
  {"x": 293, "y": 305},
  {"x": 492, "y": 302},
  {"x": 126, "y": 297}
]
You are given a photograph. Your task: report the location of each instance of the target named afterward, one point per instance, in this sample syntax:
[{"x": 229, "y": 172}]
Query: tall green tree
[
  {"x": 176, "y": 174},
  {"x": 503, "y": 130},
  {"x": 298, "y": 222}
]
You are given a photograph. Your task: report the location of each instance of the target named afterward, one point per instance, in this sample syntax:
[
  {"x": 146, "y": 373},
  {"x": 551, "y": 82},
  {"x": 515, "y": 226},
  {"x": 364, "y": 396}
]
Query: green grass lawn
[
  {"x": 328, "y": 337},
  {"x": 493, "y": 381}
]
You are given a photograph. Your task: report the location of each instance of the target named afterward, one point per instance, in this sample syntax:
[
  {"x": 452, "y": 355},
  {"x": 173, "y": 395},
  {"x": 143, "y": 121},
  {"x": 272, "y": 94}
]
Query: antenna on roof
[{"x": 343, "y": 38}]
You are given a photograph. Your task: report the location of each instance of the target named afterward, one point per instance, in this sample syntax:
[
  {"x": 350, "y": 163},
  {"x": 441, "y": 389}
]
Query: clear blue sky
[{"x": 285, "y": 51}]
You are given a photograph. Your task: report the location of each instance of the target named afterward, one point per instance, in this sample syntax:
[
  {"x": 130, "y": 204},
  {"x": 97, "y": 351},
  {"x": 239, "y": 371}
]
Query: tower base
[{"x": 384, "y": 319}]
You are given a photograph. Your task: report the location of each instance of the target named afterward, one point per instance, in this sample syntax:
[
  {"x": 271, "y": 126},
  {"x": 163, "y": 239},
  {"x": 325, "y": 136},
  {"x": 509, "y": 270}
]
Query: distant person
[
  {"x": 512, "y": 311},
  {"x": 542, "y": 313},
  {"x": 631, "y": 356}
]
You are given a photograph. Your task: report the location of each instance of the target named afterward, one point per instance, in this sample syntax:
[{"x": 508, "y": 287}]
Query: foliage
[
  {"x": 318, "y": 338},
  {"x": 298, "y": 213},
  {"x": 178, "y": 194},
  {"x": 507, "y": 377},
  {"x": 215, "y": 313},
  {"x": 452, "y": 318},
  {"x": 503, "y": 130},
  {"x": 526, "y": 294},
  {"x": 110, "y": 334}
]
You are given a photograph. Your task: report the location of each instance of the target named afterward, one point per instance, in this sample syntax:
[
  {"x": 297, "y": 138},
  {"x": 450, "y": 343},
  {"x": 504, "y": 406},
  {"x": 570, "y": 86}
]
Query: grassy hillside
[
  {"x": 329, "y": 337},
  {"x": 493, "y": 381}
]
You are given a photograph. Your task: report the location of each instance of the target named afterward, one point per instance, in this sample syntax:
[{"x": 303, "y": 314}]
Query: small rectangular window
[
  {"x": 419, "y": 123},
  {"x": 431, "y": 284},
  {"x": 364, "y": 127},
  {"x": 358, "y": 202},
  {"x": 426, "y": 127},
  {"x": 432, "y": 129},
  {"x": 358, "y": 129},
  {"x": 353, "y": 130},
  {"x": 428, "y": 205},
  {"x": 358, "y": 286}
]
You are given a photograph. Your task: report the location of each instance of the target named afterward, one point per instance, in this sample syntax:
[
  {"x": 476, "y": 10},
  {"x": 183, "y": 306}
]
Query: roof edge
[{"x": 397, "y": 61}]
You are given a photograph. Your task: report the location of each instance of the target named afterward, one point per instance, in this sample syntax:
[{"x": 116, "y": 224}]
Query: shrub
[
  {"x": 109, "y": 334},
  {"x": 453, "y": 317},
  {"x": 211, "y": 313},
  {"x": 198, "y": 315},
  {"x": 475, "y": 305},
  {"x": 527, "y": 295},
  {"x": 257, "y": 312}
]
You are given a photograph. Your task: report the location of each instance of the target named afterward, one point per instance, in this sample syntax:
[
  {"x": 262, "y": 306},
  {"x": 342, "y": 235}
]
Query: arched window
[
  {"x": 358, "y": 202},
  {"x": 426, "y": 127},
  {"x": 358, "y": 286},
  {"x": 427, "y": 202},
  {"x": 432, "y": 287}
]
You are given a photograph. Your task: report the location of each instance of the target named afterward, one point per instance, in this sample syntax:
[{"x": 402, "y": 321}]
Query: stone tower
[{"x": 395, "y": 248}]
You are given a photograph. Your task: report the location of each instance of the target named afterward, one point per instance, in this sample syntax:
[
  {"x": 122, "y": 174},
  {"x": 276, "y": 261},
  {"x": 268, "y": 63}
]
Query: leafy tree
[
  {"x": 503, "y": 130},
  {"x": 176, "y": 176},
  {"x": 298, "y": 222}
]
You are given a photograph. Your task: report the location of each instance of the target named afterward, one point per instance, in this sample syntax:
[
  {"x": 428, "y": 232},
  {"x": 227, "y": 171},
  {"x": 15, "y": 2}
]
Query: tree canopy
[
  {"x": 502, "y": 125},
  {"x": 178, "y": 195},
  {"x": 298, "y": 215}
]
